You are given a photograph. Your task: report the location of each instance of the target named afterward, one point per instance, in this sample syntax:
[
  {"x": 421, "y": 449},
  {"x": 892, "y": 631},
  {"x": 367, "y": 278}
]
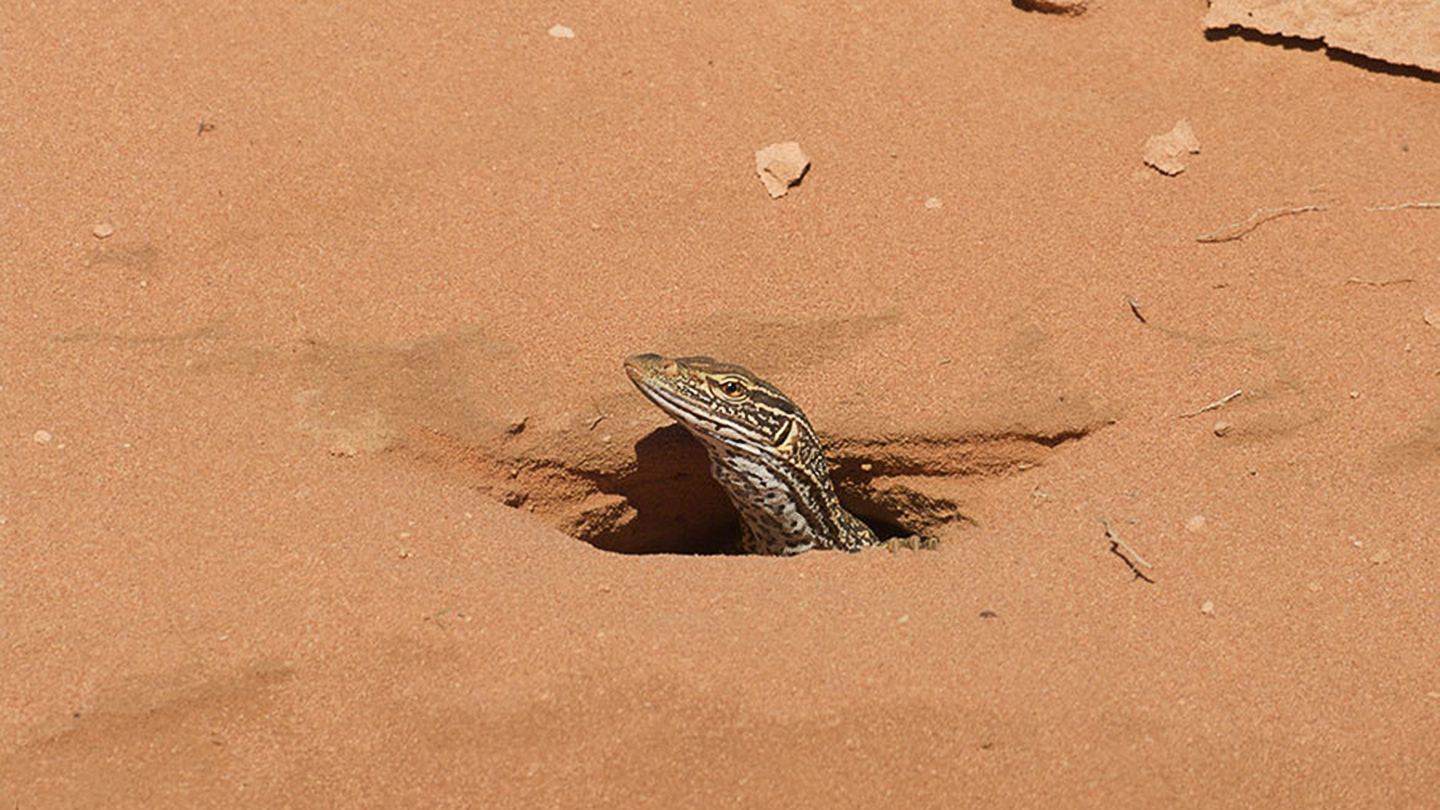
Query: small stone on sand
[
  {"x": 1222, "y": 427},
  {"x": 1380, "y": 557},
  {"x": 1208, "y": 608},
  {"x": 1165, "y": 152},
  {"x": 1066, "y": 8},
  {"x": 1196, "y": 523},
  {"x": 561, "y": 32},
  {"x": 103, "y": 230},
  {"x": 1432, "y": 316},
  {"x": 43, "y": 437},
  {"x": 933, "y": 203},
  {"x": 780, "y": 166}
]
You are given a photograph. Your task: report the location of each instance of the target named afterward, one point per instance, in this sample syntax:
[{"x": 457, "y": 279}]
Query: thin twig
[
  {"x": 1121, "y": 549},
  {"x": 1399, "y": 206},
  {"x": 1386, "y": 283},
  {"x": 1235, "y": 230},
  {"x": 1135, "y": 307},
  {"x": 1212, "y": 406}
]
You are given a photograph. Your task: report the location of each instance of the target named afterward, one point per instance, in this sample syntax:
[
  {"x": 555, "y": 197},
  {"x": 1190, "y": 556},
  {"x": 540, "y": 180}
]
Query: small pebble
[
  {"x": 103, "y": 230},
  {"x": 1221, "y": 428},
  {"x": 1065, "y": 8},
  {"x": 1196, "y": 523},
  {"x": 1380, "y": 557},
  {"x": 43, "y": 437},
  {"x": 903, "y": 619},
  {"x": 561, "y": 32},
  {"x": 1354, "y": 394},
  {"x": 1432, "y": 316},
  {"x": 933, "y": 203},
  {"x": 1208, "y": 608},
  {"x": 1314, "y": 587}
]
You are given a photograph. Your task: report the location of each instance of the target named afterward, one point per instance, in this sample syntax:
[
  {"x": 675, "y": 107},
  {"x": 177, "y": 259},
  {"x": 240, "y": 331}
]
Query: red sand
[{"x": 239, "y": 572}]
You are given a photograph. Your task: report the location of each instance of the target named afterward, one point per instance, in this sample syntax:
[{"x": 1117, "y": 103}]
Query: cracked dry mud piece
[
  {"x": 1401, "y": 32},
  {"x": 1166, "y": 153},
  {"x": 780, "y": 166}
]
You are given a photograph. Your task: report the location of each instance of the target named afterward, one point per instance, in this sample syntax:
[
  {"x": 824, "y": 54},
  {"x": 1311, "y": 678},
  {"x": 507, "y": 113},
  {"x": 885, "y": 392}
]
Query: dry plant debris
[
  {"x": 1235, "y": 230},
  {"x": 1123, "y": 550},
  {"x": 1213, "y": 405}
]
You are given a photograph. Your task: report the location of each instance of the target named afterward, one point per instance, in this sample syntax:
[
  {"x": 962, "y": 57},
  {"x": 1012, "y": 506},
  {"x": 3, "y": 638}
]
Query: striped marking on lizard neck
[{"x": 762, "y": 449}]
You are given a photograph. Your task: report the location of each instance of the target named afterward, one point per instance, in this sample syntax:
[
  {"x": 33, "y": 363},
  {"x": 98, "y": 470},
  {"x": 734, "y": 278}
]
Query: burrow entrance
[
  {"x": 675, "y": 506},
  {"x": 666, "y": 501}
]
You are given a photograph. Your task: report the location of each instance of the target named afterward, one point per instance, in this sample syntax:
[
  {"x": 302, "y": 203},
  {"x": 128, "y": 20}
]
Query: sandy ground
[{"x": 367, "y": 276}]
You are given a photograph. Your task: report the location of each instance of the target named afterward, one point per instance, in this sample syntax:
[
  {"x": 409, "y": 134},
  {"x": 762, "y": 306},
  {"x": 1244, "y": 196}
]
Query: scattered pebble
[
  {"x": 1165, "y": 153},
  {"x": 561, "y": 32},
  {"x": 1196, "y": 523},
  {"x": 1380, "y": 557},
  {"x": 103, "y": 230},
  {"x": 1432, "y": 316},
  {"x": 989, "y": 614},
  {"x": 516, "y": 425},
  {"x": 780, "y": 166},
  {"x": 404, "y": 553},
  {"x": 1208, "y": 608},
  {"x": 343, "y": 449},
  {"x": 1222, "y": 427},
  {"x": 933, "y": 203},
  {"x": 1354, "y": 394},
  {"x": 1066, "y": 8},
  {"x": 43, "y": 437},
  {"x": 1313, "y": 586},
  {"x": 903, "y": 619}
]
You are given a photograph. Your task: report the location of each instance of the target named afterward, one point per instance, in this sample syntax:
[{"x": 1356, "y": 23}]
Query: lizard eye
[{"x": 733, "y": 389}]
